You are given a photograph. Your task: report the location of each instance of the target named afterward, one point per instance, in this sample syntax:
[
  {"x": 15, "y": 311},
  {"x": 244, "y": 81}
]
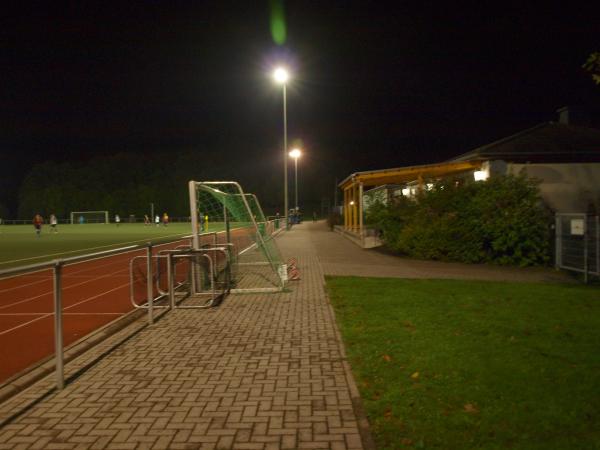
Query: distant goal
[{"x": 82, "y": 217}]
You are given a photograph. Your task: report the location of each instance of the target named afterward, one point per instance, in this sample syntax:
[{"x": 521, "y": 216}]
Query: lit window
[{"x": 481, "y": 175}]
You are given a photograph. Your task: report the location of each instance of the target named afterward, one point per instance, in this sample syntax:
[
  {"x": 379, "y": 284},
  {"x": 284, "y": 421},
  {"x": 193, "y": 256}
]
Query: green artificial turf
[
  {"x": 473, "y": 365},
  {"x": 19, "y": 245}
]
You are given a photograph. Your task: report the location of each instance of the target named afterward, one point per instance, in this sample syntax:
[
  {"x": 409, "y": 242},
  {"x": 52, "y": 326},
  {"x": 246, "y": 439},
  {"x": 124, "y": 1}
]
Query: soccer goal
[
  {"x": 82, "y": 217},
  {"x": 223, "y": 215}
]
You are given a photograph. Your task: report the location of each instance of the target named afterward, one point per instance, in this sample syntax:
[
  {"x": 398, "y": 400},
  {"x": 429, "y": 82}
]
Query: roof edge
[{"x": 472, "y": 154}]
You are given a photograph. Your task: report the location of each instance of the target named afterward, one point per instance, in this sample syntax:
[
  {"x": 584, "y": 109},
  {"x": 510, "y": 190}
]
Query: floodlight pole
[
  {"x": 295, "y": 153},
  {"x": 285, "y": 157},
  {"x": 296, "y": 171}
]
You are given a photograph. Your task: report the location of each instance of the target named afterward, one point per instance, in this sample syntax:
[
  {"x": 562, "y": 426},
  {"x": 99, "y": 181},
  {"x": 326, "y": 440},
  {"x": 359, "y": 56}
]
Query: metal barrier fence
[
  {"x": 578, "y": 243},
  {"x": 276, "y": 220},
  {"x": 124, "y": 219},
  {"x": 183, "y": 270},
  {"x": 57, "y": 268},
  {"x": 220, "y": 252}
]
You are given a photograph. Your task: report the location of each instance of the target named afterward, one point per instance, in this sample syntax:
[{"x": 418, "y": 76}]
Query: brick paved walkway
[
  {"x": 339, "y": 256},
  {"x": 259, "y": 372}
]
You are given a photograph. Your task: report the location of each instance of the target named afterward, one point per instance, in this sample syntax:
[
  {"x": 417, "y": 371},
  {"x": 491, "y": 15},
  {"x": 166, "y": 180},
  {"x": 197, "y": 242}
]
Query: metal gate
[{"x": 578, "y": 243}]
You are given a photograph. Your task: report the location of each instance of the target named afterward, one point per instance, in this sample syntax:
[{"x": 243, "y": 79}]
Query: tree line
[{"x": 127, "y": 183}]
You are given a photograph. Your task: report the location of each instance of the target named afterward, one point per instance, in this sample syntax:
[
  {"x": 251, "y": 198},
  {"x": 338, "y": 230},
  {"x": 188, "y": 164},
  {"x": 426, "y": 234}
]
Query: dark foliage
[
  {"x": 592, "y": 65},
  {"x": 501, "y": 220},
  {"x": 127, "y": 183},
  {"x": 334, "y": 218}
]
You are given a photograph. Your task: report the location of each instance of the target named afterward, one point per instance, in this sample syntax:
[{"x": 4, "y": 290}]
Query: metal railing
[
  {"x": 57, "y": 267},
  {"x": 124, "y": 220},
  {"x": 578, "y": 243}
]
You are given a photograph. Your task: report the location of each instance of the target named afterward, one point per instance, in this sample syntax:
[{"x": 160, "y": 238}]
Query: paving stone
[{"x": 261, "y": 371}]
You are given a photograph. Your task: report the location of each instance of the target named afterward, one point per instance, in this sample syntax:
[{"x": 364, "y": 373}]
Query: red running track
[{"x": 94, "y": 293}]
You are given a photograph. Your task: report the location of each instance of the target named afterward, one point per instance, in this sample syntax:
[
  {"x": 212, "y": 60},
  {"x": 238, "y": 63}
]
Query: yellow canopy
[{"x": 406, "y": 174}]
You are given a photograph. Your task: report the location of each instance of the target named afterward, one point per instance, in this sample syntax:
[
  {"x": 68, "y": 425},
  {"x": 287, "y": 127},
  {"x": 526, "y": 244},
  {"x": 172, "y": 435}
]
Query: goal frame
[
  {"x": 75, "y": 213},
  {"x": 253, "y": 213}
]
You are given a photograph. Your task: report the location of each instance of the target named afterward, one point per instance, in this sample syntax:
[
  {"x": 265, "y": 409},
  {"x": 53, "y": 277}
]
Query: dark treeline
[{"x": 127, "y": 183}]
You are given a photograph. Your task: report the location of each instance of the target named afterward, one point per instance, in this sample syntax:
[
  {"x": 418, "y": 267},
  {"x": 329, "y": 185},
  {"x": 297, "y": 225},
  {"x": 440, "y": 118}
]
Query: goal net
[
  {"x": 82, "y": 217},
  {"x": 223, "y": 215}
]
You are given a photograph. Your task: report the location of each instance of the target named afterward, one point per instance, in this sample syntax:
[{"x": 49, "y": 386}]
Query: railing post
[
  {"x": 598, "y": 246},
  {"x": 58, "y": 327},
  {"x": 557, "y": 241},
  {"x": 193, "y": 269},
  {"x": 149, "y": 283},
  {"x": 585, "y": 249},
  {"x": 170, "y": 280}
]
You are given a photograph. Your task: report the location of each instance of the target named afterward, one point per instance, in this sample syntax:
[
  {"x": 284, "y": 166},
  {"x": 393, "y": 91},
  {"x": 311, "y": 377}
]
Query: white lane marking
[
  {"x": 64, "y": 309},
  {"x": 86, "y": 249},
  {"x": 90, "y": 280}
]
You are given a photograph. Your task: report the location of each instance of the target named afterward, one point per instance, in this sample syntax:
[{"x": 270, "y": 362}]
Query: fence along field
[
  {"x": 94, "y": 292},
  {"x": 20, "y": 246}
]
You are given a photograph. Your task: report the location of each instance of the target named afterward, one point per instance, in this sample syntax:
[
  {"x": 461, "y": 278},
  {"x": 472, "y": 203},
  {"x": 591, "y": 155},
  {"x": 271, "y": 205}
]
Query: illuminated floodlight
[
  {"x": 351, "y": 202},
  {"x": 295, "y": 153},
  {"x": 281, "y": 75},
  {"x": 481, "y": 175},
  {"x": 406, "y": 192}
]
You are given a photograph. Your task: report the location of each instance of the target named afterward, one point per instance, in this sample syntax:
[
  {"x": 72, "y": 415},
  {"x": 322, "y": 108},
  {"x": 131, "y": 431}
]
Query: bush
[
  {"x": 501, "y": 220},
  {"x": 334, "y": 219}
]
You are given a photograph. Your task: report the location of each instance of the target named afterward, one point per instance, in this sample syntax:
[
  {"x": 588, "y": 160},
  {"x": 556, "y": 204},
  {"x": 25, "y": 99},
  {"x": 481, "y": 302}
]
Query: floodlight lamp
[
  {"x": 351, "y": 202},
  {"x": 295, "y": 153},
  {"x": 281, "y": 75}
]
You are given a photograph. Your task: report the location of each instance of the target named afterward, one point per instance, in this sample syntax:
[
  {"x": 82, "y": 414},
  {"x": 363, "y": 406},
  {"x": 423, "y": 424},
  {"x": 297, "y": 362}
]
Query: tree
[
  {"x": 592, "y": 65},
  {"x": 3, "y": 211}
]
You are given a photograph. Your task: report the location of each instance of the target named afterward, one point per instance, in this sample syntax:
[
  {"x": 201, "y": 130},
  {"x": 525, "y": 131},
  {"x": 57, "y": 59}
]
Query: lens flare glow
[{"x": 277, "y": 25}]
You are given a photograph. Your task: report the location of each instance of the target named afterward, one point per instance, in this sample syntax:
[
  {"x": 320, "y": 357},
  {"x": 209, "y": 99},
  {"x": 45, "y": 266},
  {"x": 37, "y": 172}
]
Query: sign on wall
[{"x": 577, "y": 227}]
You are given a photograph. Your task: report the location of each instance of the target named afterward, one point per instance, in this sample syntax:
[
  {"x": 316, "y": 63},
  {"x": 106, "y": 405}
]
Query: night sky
[{"x": 373, "y": 86}]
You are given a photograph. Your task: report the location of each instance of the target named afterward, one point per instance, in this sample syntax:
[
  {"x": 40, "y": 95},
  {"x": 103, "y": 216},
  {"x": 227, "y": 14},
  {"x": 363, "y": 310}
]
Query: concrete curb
[{"x": 363, "y": 422}]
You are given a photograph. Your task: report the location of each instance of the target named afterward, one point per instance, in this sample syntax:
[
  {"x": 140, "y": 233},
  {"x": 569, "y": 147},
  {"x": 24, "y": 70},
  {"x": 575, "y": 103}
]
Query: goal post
[
  {"x": 236, "y": 220},
  {"x": 82, "y": 217}
]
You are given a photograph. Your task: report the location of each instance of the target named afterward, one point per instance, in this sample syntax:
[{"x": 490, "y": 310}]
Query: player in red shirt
[{"x": 37, "y": 224}]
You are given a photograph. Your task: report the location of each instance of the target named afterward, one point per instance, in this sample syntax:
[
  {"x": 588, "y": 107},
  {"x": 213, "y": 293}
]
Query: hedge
[{"x": 501, "y": 220}]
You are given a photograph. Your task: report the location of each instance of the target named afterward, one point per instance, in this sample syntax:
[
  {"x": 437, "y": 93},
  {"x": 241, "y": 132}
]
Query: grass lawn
[
  {"x": 19, "y": 244},
  {"x": 473, "y": 365}
]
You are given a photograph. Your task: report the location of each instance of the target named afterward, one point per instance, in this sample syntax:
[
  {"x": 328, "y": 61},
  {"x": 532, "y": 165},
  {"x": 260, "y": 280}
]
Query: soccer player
[
  {"x": 117, "y": 219},
  {"x": 146, "y": 219},
  {"x": 53, "y": 223},
  {"x": 37, "y": 224},
  {"x": 165, "y": 219}
]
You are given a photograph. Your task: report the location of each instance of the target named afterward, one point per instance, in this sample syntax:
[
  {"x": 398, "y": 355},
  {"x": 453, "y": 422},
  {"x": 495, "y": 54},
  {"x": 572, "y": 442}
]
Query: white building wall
[{"x": 566, "y": 188}]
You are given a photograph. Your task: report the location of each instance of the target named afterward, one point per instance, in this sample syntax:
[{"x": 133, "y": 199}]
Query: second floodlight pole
[{"x": 285, "y": 170}]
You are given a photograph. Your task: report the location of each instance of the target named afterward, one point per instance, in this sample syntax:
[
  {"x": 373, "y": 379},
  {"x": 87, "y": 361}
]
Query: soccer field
[{"x": 19, "y": 245}]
